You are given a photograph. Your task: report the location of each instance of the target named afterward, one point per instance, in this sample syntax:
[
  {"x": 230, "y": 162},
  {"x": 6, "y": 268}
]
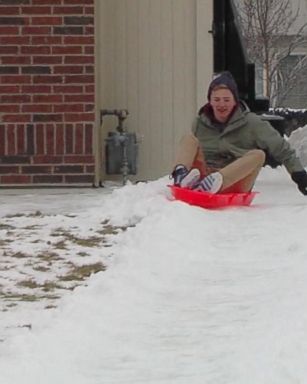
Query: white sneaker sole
[
  {"x": 213, "y": 182},
  {"x": 190, "y": 179}
]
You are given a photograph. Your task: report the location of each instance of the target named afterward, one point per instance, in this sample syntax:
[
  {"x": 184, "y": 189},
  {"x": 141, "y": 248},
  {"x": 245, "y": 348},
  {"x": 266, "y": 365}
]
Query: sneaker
[
  {"x": 184, "y": 178},
  {"x": 211, "y": 183}
]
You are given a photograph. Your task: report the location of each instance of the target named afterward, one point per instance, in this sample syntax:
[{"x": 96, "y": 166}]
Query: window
[{"x": 292, "y": 82}]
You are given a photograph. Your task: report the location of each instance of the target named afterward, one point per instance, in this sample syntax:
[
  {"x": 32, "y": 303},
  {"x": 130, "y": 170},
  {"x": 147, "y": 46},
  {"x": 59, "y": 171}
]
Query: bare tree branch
[{"x": 271, "y": 34}]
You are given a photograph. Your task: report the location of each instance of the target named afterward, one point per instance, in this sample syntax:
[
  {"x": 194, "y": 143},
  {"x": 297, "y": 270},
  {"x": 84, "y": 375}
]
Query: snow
[
  {"x": 189, "y": 295},
  {"x": 298, "y": 141}
]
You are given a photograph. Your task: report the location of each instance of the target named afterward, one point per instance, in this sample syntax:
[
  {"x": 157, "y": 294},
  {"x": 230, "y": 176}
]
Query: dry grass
[
  {"x": 80, "y": 273},
  {"x": 55, "y": 264}
]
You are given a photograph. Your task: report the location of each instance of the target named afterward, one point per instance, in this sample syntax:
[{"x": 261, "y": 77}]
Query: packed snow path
[{"x": 190, "y": 296}]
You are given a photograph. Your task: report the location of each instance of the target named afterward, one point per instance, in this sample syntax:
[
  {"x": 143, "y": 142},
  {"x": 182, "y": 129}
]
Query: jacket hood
[{"x": 236, "y": 119}]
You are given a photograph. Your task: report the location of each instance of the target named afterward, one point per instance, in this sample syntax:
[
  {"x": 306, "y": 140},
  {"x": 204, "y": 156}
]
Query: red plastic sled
[{"x": 210, "y": 200}]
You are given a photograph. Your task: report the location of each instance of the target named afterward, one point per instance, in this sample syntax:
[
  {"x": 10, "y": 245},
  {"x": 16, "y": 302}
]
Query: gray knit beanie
[{"x": 224, "y": 78}]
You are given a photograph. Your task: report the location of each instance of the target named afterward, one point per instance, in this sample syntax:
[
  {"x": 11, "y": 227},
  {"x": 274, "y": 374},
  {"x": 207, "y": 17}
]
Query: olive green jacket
[{"x": 221, "y": 144}]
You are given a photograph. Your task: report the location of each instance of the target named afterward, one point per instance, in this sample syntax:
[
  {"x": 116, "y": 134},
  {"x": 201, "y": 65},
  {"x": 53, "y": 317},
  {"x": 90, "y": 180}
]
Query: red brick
[
  {"x": 34, "y": 50},
  {"x": 59, "y": 139},
  {"x": 78, "y": 20},
  {"x": 30, "y": 143},
  {"x": 7, "y": 30},
  {"x": 43, "y": 2},
  {"x": 81, "y": 159},
  {"x": 47, "y": 159},
  {"x": 2, "y": 140},
  {"x": 14, "y": 20},
  {"x": 7, "y": 169},
  {"x": 79, "y": 60},
  {"x": 20, "y": 139},
  {"x": 79, "y": 40},
  {"x": 89, "y": 89},
  {"x": 37, "y": 108},
  {"x": 15, "y": 99},
  {"x": 15, "y": 159},
  {"x": 68, "y": 10},
  {"x": 79, "y": 117},
  {"x": 9, "y": 108},
  {"x": 16, "y": 79},
  {"x": 79, "y": 139},
  {"x": 47, "y": 60},
  {"x": 36, "y": 10},
  {"x": 50, "y": 133},
  {"x": 16, "y": 179},
  {"x": 89, "y": 31},
  {"x": 57, "y": 52},
  {"x": 15, "y": 40},
  {"x": 36, "y": 69},
  {"x": 89, "y": 10},
  {"x": 30, "y": 30},
  {"x": 79, "y": 2},
  {"x": 65, "y": 50},
  {"x": 9, "y": 10},
  {"x": 68, "y": 108},
  {"x": 68, "y": 138},
  {"x": 7, "y": 50},
  {"x": 50, "y": 117},
  {"x": 21, "y": 118},
  {"x": 68, "y": 89},
  {"x": 8, "y": 70},
  {"x": 47, "y": 179},
  {"x": 79, "y": 98},
  {"x": 89, "y": 69},
  {"x": 40, "y": 139},
  {"x": 89, "y": 138},
  {"x": 79, "y": 179},
  {"x": 68, "y": 169},
  {"x": 79, "y": 79},
  {"x": 88, "y": 50},
  {"x": 47, "y": 20},
  {"x": 30, "y": 169},
  {"x": 46, "y": 40},
  {"x": 47, "y": 98},
  {"x": 11, "y": 139},
  {"x": 68, "y": 30},
  {"x": 63, "y": 69},
  {"x": 48, "y": 79},
  {"x": 89, "y": 107},
  {"x": 90, "y": 168},
  {"x": 16, "y": 60},
  {"x": 9, "y": 89},
  {"x": 36, "y": 89}
]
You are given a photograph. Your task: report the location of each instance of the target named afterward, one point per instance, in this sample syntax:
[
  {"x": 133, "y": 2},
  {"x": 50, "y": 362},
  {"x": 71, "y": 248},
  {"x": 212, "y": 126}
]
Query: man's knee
[
  {"x": 258, "y": 155},
  {"x": 189, "y": 138}
]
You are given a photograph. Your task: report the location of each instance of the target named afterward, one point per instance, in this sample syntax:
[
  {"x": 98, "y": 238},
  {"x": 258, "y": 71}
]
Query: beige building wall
[{"x": 154, "y": 58}]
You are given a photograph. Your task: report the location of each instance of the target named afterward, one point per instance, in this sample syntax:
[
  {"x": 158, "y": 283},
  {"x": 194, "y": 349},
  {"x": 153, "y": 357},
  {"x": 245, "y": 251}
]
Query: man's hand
[{"x": 300, "y": 178}]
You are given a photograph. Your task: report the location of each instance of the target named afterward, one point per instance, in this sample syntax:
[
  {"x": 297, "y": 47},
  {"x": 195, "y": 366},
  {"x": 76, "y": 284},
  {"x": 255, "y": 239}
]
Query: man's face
[{"x": 222, "y": 102}]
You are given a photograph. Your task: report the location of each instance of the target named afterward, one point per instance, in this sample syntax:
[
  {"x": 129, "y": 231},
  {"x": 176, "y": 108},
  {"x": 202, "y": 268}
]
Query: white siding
[{"x": 155, "y": 59}]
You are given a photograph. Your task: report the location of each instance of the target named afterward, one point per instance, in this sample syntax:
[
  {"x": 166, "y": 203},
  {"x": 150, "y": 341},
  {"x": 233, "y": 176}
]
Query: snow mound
[{"x": 298, "y": 141}]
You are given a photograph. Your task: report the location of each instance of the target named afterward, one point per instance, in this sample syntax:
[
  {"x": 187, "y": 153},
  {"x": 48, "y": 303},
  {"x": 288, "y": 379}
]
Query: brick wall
[{"x": 46, "y": 92}]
